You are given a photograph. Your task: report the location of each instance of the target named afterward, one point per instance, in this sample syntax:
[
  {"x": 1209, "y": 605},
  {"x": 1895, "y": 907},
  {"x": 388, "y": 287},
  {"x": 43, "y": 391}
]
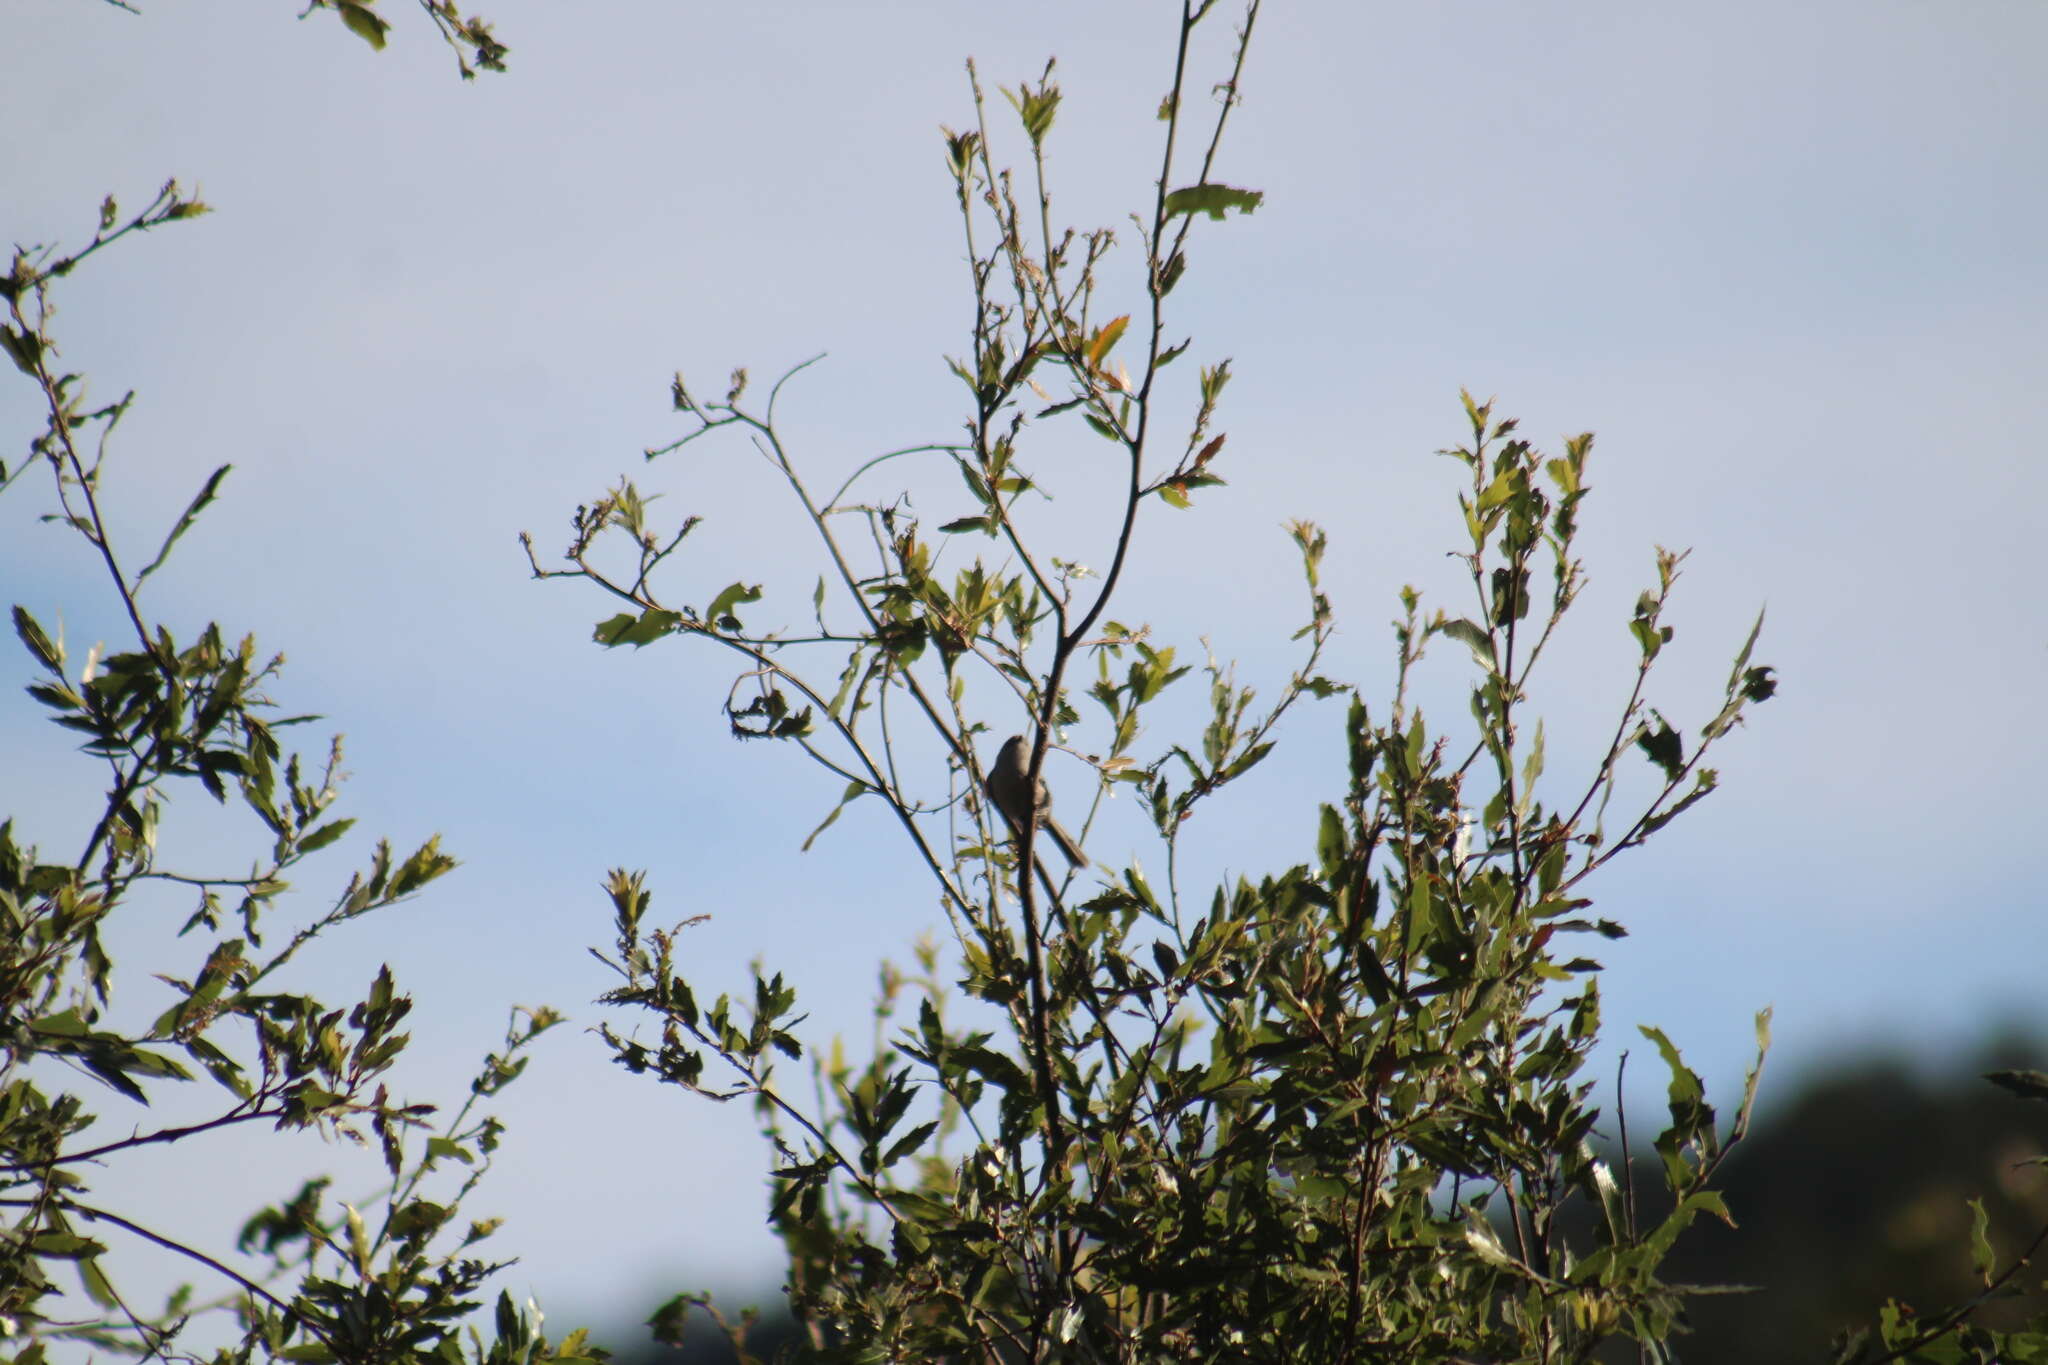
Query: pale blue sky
[{"x": 1785, "y": 262}]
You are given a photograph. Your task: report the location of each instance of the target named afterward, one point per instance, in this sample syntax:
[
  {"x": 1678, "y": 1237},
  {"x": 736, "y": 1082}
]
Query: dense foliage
[
  {"x": 1331, "y": 1114},
  {"x": 1337, "y": 1112}
]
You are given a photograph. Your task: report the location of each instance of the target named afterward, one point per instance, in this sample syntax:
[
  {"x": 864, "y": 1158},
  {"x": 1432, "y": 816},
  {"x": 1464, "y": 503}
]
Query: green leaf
[
  {"x": 1105, "y": 338},
  {"x": 191, "y": 514},
  {"x": 98, "y": 1287},
  {"x": 1649, "y": 636},
  {"x": 1612, "y": 1205},
  {"x": 1742, "y": 659},
  {"x": 627, "y": 629},
  {"x": 1484, "y": 1241},
  {"x": 2028, "y": 1085},
  {"x": 1245, "y": 761},
  {"x": 1686, "y": 1095},
  {"x": 1472, "y": 637},
  {"x": 1169, "y": 275},
  {"x": 364, "y": 22},
  {"x": 671, "y": 1320},
  {"x": 1532, "y": 768},
  {"x": 49, "y": 655},
  {"x": 1666, "y": 1233},
  {"x": 1982, "y": 1258},
  {"x": 63, "y": 1024},
  {"x": 65, "y": 1246},
  {"x": 1423, "y": 926},
  {"x": 1330, "y": 841},
  {"x": 1664, "y": 745},
  {"x": 1214, "y": 200},
  {"x": 908, "y": 1143},
  {"x": 1035, "y": 109},
  {"x": 853, "y": 791},
  {"x": 325, "y": 835},
  {"x": 719, "y": 613},
  {"x": 426, "y": 863},
  {"x": 1665, "y": 749},
  {"x": 26, "y": 349}
]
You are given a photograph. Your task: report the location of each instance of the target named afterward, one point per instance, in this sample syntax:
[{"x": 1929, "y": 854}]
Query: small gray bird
[{"x": 1006, "y": 787}]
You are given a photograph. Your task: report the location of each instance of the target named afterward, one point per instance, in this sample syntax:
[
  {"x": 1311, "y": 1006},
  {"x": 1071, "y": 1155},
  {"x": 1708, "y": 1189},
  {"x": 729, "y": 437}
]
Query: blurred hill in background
[{"x": 1856, "y": 1190}]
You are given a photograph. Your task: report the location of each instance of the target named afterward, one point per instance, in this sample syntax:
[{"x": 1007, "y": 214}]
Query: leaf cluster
[
  {"x": 391, "y": 1275},
  {"x": 1338, "y": 1112},
  {"x": 1332, "y": 1113}
]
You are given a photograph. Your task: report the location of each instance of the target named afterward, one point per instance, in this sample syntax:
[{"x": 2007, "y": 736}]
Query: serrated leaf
[
  {"x": 1214, "y": 200},
  {"x": 1105, "y": 338},
  {"x": 1245, "y": 761},
  {"x": 908, "y": 1143},
  {"x": 1472, "y": 637}
]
